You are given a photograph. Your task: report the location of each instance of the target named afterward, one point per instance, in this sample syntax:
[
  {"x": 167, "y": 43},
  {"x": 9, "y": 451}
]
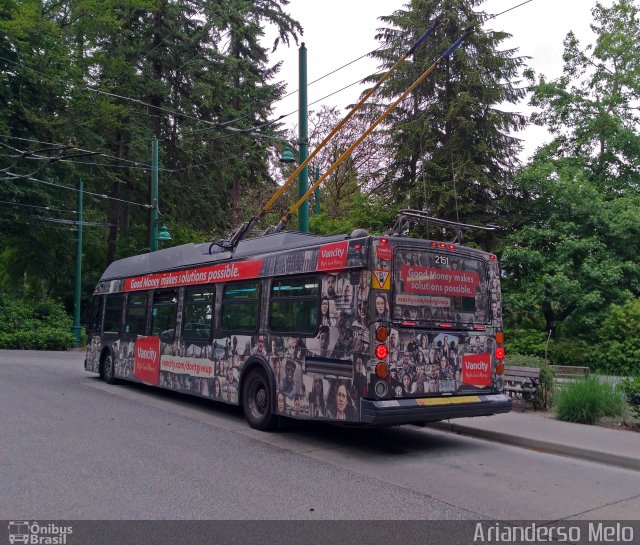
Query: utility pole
[
  {"x": 153, "y": 220},
  {"x": 77, "y": 328},
  {"x": 303, "y": 139}
]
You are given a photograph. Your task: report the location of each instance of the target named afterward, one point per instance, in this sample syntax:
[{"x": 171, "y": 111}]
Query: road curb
[{"x": 540, "y": 444}]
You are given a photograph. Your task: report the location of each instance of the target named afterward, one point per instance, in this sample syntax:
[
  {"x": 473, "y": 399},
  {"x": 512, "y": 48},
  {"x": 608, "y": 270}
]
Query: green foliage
[
  {"x": 105, "y": 76},
  {"x": 43, "y": 325},
  {"x": 619, "y": 339},
  {"x": 367, "y": 213},
  {"x": 451, "y": 147},
  {"x": 587, "y": 400},
  {"x": 543, "y": 394},
  {"x": 526, "y": 341},
  {"x": 630, "y": 387}
]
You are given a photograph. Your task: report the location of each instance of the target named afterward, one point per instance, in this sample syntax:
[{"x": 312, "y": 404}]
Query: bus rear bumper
[{"x": 432, "y": 409}]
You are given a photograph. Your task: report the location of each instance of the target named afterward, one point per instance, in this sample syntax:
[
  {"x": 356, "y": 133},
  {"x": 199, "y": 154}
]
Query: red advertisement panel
[
  {"x": 203, "y": 275},
  {"x": 384, "y": 251},
  {"x": 146, "y": 365},
  {"x": 476, "y": 369},
  {"x": 445, "y": 282},
  {"x": 332, "y": 257}
]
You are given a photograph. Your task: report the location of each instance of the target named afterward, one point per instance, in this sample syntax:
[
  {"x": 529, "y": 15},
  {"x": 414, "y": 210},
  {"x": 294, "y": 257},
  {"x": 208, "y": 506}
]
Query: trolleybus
[{"x": 360, "y": 329}]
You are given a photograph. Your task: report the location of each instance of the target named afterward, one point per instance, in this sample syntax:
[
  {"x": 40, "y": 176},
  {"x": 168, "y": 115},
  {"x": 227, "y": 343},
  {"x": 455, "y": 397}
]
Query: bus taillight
[
  {"x": 382, "y": 351},
  {"x": 382, "y": 333},
  {"x": 500, "y": 368},
  {"x": 382, "y": 370},
  {"x": 500, "y": 337},
  {"x": 500, "y": 352}
]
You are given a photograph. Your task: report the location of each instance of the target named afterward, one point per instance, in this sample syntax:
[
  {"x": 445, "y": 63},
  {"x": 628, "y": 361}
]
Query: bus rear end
[{"x": 438, "y": 346}]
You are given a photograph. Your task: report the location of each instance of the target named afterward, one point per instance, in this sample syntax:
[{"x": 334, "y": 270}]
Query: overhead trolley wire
[
  {"x": 39, "y": 207},
  {"x": 97, "y": 195}
]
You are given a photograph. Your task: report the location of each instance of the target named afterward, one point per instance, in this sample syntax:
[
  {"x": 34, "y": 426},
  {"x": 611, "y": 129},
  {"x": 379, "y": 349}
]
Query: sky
[{"x": 339, "y": 31}]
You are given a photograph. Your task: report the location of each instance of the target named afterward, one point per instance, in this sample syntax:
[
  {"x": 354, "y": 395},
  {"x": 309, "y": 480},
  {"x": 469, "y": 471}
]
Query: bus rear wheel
[
  {"x": 257, "y": 401},
  {"x": 108, "y": 369}
]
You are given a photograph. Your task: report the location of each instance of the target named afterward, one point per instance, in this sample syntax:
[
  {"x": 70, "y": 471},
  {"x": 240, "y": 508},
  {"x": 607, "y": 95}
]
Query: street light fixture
[
  {"x": 164, "y": 233},
  {"x": 287, "y": 156}
]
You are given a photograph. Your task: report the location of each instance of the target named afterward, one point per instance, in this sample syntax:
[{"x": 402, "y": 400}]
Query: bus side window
[
  {"x": 293, "y": 305},
  {"x": 112, "y": 314},
  {"x": 93, "y": 323},
  {"x": 163, "y": 315},
  {"x": 240, "y": 307},
  {"x": 135, "y": 322},
  {"x": 198, "y": 313}
]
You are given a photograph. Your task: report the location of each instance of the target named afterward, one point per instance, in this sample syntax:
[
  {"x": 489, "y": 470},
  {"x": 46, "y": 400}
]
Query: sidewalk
[{"x": 540, "y": 431}]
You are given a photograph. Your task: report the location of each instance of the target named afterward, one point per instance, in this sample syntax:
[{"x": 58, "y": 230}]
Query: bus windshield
[{"x": 431, "y": 285}]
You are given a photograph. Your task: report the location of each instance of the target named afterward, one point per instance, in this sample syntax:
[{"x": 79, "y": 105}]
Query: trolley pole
[
  {"x": 77, "y": 328},
  {"x": 303, "y": 138},
  {"x": 316, "y": 194},
  {"x": 153, "y": 221}
]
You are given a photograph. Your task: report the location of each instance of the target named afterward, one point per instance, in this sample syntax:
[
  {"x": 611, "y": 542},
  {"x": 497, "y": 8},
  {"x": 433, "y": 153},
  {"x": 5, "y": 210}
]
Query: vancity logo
[
  {"x": 38, "y": 534},
  {"x": 332, "y": 256},
  {"x": 146, "y": 364}
]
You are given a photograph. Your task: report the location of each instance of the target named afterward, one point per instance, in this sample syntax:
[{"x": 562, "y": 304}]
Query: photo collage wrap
[
  {"x": 343, "y": 335},
  {"x": 424, "y": 362}
]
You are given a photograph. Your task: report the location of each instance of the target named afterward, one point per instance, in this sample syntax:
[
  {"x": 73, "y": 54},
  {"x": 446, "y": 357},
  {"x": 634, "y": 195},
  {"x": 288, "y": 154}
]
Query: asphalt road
[{"x": 72, "y": 447}]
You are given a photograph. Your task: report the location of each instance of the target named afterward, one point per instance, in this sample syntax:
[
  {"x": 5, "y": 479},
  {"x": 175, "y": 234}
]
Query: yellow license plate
[{"x": 447, "y": 400}]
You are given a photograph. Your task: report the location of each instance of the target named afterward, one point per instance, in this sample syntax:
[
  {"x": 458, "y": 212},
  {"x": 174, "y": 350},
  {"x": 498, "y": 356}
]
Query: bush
[
  {"x": 619, "y": 342},
  {"x": 630, "y": 387},
  {"x": 543, "y": 393},
  {"x": 526, "y": 341},
  {"x": 43, "y": 325},
  {"x": 587, "y": 400}
]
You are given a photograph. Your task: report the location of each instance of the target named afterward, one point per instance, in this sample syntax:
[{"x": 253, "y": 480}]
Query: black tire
[
  {"x": 108, "y": 369},
  {"x": 257, "y": 401}
]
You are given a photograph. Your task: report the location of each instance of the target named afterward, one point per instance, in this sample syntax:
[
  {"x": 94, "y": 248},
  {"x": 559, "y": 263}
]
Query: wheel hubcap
[{"x": 259, "y": 400}]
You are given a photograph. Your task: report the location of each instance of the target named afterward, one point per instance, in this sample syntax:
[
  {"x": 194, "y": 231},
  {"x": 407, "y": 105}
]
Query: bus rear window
[{"x": 436, "y": 286}]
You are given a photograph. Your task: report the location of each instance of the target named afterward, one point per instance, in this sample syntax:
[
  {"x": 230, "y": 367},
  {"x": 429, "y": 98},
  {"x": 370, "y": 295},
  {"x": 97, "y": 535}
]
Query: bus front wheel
[
  {"x": 257, "y": 401},
  {"x": 108, "y": 369}
]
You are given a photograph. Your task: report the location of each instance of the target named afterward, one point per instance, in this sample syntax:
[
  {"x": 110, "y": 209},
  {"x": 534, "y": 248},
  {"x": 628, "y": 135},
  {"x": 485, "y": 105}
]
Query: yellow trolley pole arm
[
  {"x": 344, "y": 120},
  {"x": 285, "y": 219},
  {"x": 237, "y": 235}
]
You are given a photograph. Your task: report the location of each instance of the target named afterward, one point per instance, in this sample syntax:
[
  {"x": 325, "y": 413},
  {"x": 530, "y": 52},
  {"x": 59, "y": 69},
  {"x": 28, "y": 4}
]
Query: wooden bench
[
  {"x": 521, "y": 381},
  {"x": 564, "y": 374}
]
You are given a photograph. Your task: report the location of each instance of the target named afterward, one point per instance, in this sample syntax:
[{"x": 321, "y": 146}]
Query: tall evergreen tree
[{"x": 453, "y": 151}]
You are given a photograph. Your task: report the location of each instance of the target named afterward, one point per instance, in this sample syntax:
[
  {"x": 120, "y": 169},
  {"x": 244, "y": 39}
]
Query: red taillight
[
  {"x": 434, "y": 244},
  {"x": 500, "y": 353},
  {"x": 382, "y": 333},
  {"x": 492, "y": 257},
  {"x": 382, "y": 351},
  {"x": 408, "y": 324},
  {"x": 480, "y": 327},
  {"x": 442, "y": 245},
  {"x": 358, "y": 246},
  {"x": 384, "y": 240},
  {"x": 452, "y": 247},
  {"x": 500, "y": 337},
  {"x": 382, "y": 370},
  {"x": 445, "y": 325}
]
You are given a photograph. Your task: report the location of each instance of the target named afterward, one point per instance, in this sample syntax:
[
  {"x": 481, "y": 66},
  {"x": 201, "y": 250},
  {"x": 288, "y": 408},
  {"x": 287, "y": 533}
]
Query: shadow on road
[{"x": 388, "y": 441}]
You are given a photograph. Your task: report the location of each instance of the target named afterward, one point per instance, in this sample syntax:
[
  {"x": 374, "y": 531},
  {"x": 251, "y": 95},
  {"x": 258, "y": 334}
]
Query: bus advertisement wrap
[
  {"x": 332, "y": 257},
  {"x": 147, "y": 358},
  {"x": 186, "y": 366},
  {"x": 446, "y": 282},
  {"x": 476, "y": 370},
  {"x": 204, "y": 275}
]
